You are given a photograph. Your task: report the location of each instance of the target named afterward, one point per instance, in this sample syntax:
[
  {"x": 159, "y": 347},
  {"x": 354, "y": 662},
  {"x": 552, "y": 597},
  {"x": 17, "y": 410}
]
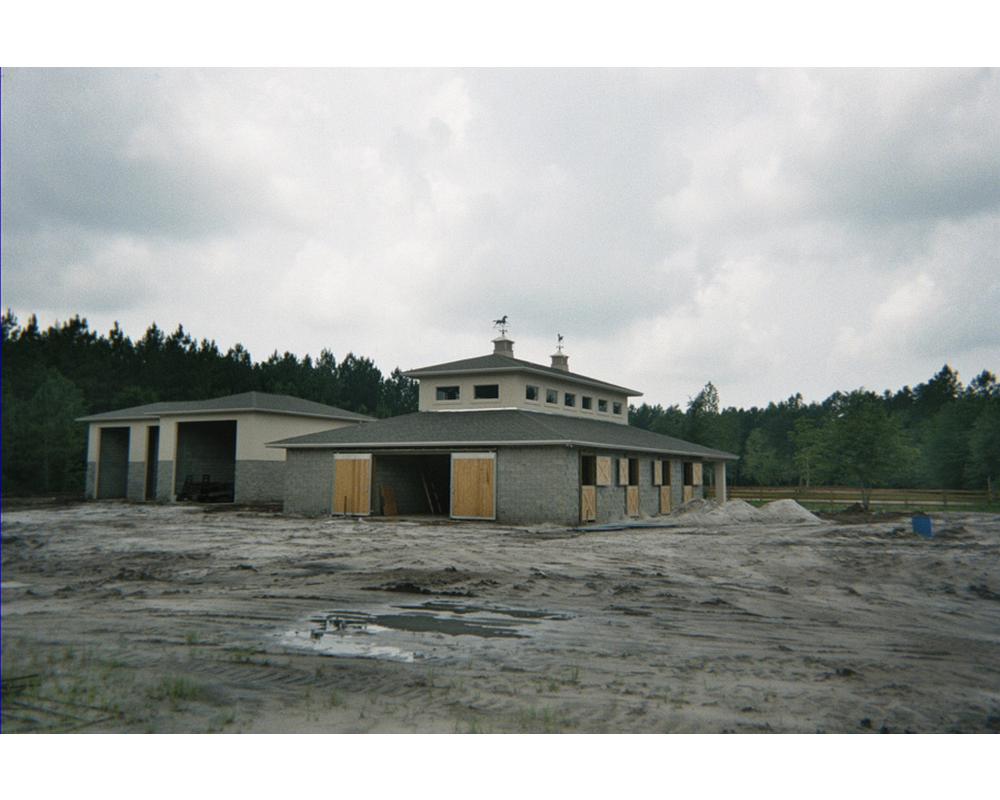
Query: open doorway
[
  {"x": 112, "y": 463},
  {"x": 152, "y": 460},
  {"x": 409, "y": 484},
  {"x": 206, "y": 461}
]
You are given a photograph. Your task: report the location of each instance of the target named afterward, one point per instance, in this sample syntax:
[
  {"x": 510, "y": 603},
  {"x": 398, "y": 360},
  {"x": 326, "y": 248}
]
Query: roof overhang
[
  {"x": 257, "y": 411},
  {"x": 130, "y": 418},
  {"x": 494, "y": 443},
  {"x": 220, "y": 411}
]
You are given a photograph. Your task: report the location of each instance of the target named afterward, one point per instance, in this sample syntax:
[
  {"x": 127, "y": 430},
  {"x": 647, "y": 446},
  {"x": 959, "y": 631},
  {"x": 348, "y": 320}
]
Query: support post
[{"x": 720, "y": 481}]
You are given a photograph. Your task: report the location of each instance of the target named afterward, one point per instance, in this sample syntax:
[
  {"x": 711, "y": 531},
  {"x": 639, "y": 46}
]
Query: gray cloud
[{"x": 773, "y": 231}]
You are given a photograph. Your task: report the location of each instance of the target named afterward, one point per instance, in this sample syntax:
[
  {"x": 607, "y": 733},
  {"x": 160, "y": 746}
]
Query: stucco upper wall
[
  {"x": 512, "y": 395},
  {"x": 253, "y": 431},
  {"x": 256, "y": 430},
  {"x": 138, "y": 437}
]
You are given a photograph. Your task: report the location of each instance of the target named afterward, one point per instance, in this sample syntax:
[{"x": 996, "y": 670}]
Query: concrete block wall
[
  {"x": 90, "y": 481},
  {"x": 611, "y": 499},
  {"x": 538, "y": 484},
  {"x": 309, "y": 482},
  {"x": 259, "y": 482},
  {"x": 649, "y": 492},
  {"x": 136, "y": 489},
  {"x": 534, "y": 485},
  {"x": 164, "y": 481}
]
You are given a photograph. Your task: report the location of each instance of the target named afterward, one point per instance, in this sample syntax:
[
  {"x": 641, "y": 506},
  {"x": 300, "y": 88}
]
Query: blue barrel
[{"x": 922, "y": 526}]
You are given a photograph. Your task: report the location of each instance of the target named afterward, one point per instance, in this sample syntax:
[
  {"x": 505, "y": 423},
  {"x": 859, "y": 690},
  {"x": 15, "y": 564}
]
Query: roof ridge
[{"x": 251, "y": 400}]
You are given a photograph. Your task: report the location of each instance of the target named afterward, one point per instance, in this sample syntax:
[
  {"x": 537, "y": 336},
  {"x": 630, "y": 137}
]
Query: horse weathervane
[
  {"x": 501, "y": 324},
  {"x": 559, "y": 338}
]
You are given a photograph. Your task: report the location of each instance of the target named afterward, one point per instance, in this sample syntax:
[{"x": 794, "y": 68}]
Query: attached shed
[{"x": 202, "y": 450}]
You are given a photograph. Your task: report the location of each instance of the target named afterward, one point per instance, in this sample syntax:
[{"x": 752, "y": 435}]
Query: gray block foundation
[
  {"x": 259, "y": 482},
  {"x": 309, "y": 482},
  {"x": 164, "y": 481},
  {"x": 90, "y": 485},
  {"x": 538, "y": 484},
  {"x": 136, "y": 487}
]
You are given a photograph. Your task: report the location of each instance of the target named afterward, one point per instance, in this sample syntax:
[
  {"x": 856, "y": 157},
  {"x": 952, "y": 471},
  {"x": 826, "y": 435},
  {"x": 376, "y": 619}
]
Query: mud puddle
[
  {"x": 432, "y": 630},
  {"x": 464, "y": 608}
]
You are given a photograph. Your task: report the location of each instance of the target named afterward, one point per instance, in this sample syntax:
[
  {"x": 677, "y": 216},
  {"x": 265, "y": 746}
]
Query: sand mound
[
  {"x": 736, "y": 512},
  {"x": 694, "y": 508},
  {"x": 787, "y": 511},
  {"x": 711, "y": 512}
]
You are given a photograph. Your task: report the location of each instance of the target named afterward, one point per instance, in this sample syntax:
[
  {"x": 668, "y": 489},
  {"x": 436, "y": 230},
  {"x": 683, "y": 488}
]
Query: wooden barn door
[
  {"x": 473, "y": 485},
  {"x": 632, "y": 501},
  {"x": 588, "y": 503},
  {"x": 352, "y": 483}
]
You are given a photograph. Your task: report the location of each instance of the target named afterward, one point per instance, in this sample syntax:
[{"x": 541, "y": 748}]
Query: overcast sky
[{"x": 770, "y": 231}]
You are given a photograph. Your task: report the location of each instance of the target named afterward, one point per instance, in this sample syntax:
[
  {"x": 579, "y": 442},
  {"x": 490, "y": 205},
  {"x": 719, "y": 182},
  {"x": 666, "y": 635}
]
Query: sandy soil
[{"x": 149, "y": 618}]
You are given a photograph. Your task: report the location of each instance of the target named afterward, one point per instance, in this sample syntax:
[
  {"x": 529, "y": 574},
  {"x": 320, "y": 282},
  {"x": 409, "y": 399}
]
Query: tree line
[
  {"x": 938, "y": 434},
  {"x": 53, "y": 376}
]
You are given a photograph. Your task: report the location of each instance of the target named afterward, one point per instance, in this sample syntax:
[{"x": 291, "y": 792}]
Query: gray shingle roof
[
  {"x": 488, "y": 428},
  {"x": 247, "y": 401},
  {"x": 500, "y": 363}
]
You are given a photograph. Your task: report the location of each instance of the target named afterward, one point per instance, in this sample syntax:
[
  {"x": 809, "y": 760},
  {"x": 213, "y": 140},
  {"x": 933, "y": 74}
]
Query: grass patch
[
  {"x": 221, "y": 722},
  {"x": 544, "y": 720},
  {"x": 471, "y": 726},
  {"x": 240, "y": 655},
  {"x": 177, "y": 689},
  {"x": 64, "y": 690}
]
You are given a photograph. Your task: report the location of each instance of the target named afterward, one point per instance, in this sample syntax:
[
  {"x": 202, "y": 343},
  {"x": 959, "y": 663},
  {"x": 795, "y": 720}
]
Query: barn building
[
  {"x": 502, "y": 439},
  {"x": 201, "y": 450}
]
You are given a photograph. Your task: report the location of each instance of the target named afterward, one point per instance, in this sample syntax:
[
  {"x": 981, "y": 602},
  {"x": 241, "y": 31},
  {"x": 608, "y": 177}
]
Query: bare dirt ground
[{"x": 120, "y": 617}]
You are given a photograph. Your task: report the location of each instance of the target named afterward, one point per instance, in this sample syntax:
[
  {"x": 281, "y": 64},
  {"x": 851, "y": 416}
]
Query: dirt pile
[
  {"x": 740, "y": 512},
  {"x": 786, "y": 511}
]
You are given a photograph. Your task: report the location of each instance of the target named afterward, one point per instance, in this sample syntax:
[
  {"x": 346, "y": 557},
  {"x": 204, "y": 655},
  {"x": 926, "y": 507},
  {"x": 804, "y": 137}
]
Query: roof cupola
[
  {"x": 502, "y": 346},
  {"x": 559, "y": 359}
]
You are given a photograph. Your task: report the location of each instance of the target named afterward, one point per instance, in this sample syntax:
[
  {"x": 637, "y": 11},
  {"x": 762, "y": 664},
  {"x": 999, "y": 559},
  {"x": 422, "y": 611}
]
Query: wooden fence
[{"x": 846, "y": 495}]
